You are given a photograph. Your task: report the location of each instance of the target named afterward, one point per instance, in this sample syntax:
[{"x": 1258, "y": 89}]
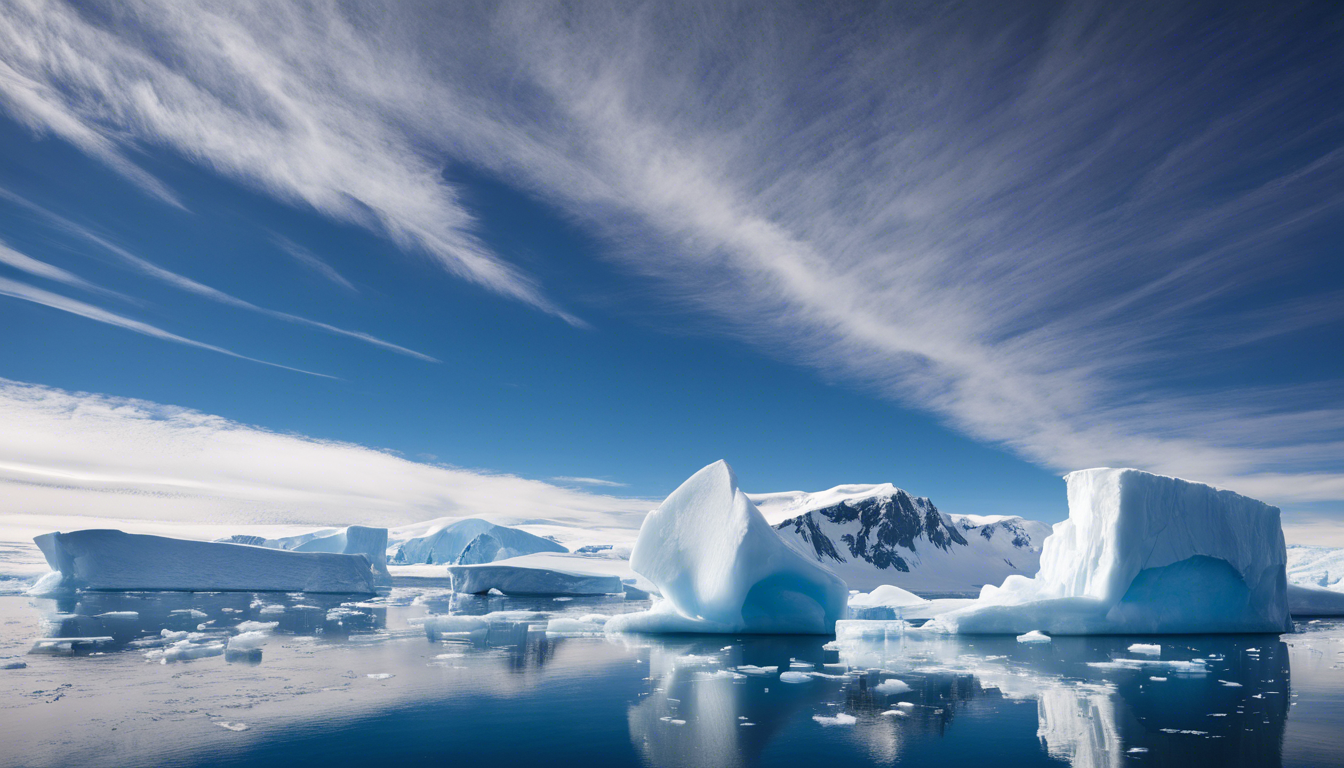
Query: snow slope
[
  {"x": 871, "y": 535},
  {"x": 1143, "y": 553},
  {"x": 447, "y": 539},
  {"x": 721, "y": 568},
  {"x": 115, "y": 560},
  {"x": 1316, "y": 566}
]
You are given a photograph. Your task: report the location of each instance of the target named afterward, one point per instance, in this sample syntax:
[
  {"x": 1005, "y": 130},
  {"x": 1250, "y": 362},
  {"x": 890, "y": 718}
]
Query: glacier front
[
  {"x": 722, "y": 568},
  {"x": 1142, "y": 553}
]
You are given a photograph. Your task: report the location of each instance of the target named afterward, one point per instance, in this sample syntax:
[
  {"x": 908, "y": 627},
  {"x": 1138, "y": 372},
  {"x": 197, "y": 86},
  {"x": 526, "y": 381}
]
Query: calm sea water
[{"x": 347, "y": 682}]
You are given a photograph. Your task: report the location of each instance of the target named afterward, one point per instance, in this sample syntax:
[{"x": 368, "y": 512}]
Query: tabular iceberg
[
  {"x": 1142, "y": 553},
  {"x": 355, "y": 540},
  {"x": 523, "y": 579},
  {"x": 115, "y": 560},
  {"x": 722, "y": 568}
]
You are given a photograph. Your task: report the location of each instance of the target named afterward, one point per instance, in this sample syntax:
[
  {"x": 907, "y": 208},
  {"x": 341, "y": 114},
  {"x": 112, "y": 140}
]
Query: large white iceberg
[
  {"x": 115, "y": 560},
  {"x": 722, "y": 568},
  {"x": 1142, "y": 553}
]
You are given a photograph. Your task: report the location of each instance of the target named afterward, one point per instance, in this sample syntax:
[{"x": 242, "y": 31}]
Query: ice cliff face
[
  {"x": 1143, "y": 553},
  {"x": 873, "y": 535}
]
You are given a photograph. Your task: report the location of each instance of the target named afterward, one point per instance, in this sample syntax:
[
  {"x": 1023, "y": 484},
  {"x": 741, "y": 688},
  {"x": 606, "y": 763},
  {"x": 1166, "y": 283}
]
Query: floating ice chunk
[
  {"x": 8, "y": 664},
  {"x": 794, "y": 677},
  {"x": 1158, "y": 679},
  {"x": 190, "y": 613},
  {"x": 1147, "y": 649},
  {"x": 892, "y": 687},
  {"x": 121, "y": 616},
  {"x": 271, "y": 610},
  {"x": 722, "y": 568},
  {"x": 380, "y": 675},
  {"x": 1230, "y": 684},
  {"x": 248, "y": 641},
  {"x": 751, "y": 669},
  {"x": 69, "y": 645},
  {"x": 840, "y": 719},
  {"x": 256, "y": 626},
  {"x": 803, "y": 665},
  {"x": 512, "y": 579},
  {"x": 450, "y": 625},
  {"x": 115, "y": 560},
  {"x": 232, "y": 726},
  {"x": 1193, "y": 667},
  {"x": 1142, "y": 553},
  {"x": 1136, "y": 750},
  {"x": 1034, "y": 636},
  {"x": 355, "y": 540},
  {"x": 592, "y": 624},
  {"x": 885, "y": 596},
  {"x": 895, "y": 713}
]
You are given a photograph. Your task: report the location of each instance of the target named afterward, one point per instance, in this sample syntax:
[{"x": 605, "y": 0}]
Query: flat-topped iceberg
[
  {"x": 1141, "y": 553},
  {"x": 115, "y": 560},
  {"x": 722, "y": 568},
  {"x": 522, "y": 578}
]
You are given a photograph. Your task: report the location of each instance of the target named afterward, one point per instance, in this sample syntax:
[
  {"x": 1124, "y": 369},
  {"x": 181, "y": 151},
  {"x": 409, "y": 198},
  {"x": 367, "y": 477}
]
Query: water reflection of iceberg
[{"x": 1215, "y": 700}]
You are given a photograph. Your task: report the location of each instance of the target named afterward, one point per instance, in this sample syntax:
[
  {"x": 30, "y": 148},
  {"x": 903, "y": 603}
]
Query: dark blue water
[{"x": 341, "y": 682}]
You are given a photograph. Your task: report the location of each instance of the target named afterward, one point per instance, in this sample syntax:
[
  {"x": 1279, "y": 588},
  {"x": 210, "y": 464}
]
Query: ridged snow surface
[{"x": 1143, "y": 553}]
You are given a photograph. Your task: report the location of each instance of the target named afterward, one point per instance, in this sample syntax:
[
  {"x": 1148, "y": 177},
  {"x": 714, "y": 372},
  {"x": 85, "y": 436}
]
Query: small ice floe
[
  {"x": 895, "y": 713},
  {"x": 892, "y": 686},
  {"x": 1252, "y": 650},
  {"x": 720, "y": 674},
  {"x": 1158, "y": 679},
  {"x": 256, "y": 626},
  {"x": 191, "y": 612},
  {"x": 271, "y": 610},
  {"x": 8, "y": 662},
  {"x": 1034, "y": 636},
  {"x": 1217, "y": 714},
  {"x": 248, "y": 641},
  {"x": 1146, "y": 649},
  {"x": 120, "y": 616},
  {"x": 1185, "y": 731},
  {"x": 380, "y": 675},
  {"x": 1136, "y": 750},
  {"x": 69, "y": 645},
  {"x": 677, "y": 722},
  {"x": 450, "y": 655},
  {"x": 794, "y": 677},
  {"x": 796, "y": 664},
  {"x": 693, "y": 660},
  {"x": 840, "y": 719},
  {"x": 562, "y": 599},
  {"x": 744, "y": 725},
  {"x": 1195, "y": 667},
  {"x": 232, "y": 726},
  {"x": 495, "y": 592},
  {"x": 1230, "y": 684},
  {"x": 751, "y": 669}
]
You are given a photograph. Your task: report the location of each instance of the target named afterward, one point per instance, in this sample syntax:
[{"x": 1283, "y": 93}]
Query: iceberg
[
  {"x": 447, "y": 543},
  {"x": 721, "y": 568},
  {"x": 1144, "y": 554},
  {"x": 1314, "y": 601},
  {"x": 522, "y": 579},
  {"x": 119, "y": 561},
  {"x": 355, "y": 540}
]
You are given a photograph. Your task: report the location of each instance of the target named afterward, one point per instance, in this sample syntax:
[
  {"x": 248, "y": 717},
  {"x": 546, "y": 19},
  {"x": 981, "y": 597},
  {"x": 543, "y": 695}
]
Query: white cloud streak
[
  {"x": 590, "y": 481},
  {"x": 17, "y": 290},
  {"x": 150, "y": 269},
  {"x": 312, "y": 261},
  {"x": 1050, "y": 228},
  {"x": 70, "y": 453}
]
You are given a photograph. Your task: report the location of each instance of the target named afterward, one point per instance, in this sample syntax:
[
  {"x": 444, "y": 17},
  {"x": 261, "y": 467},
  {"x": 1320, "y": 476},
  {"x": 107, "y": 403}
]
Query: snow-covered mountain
[{"x": 871, "y": 535}]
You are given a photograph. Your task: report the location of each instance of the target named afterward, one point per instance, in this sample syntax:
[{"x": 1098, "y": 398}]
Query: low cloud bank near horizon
[{"x": 69, "y": 453}]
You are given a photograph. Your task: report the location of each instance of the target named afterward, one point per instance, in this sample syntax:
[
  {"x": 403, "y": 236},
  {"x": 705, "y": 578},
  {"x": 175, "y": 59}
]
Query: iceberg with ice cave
[
  {"x": 722, "y": 568},
  {"x": 1142, "y": 553}
]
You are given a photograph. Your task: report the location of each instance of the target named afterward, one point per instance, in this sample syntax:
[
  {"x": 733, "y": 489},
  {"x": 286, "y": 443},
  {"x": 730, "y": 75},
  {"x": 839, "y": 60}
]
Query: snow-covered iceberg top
[
  {"x": 466, "y": 541},
  {"x": 1143, "y": 553},
  {"x": 722, "y": 568},
  {"x": 115, "y": 560}
]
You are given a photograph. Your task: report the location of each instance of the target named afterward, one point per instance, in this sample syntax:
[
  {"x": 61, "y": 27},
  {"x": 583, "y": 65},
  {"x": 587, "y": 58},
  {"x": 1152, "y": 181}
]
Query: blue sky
[{"x": 962, "y": 251}]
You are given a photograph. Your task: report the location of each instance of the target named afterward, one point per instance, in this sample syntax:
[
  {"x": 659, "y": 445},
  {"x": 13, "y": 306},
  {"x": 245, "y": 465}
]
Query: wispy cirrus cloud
[
  {"x": 1052, "y": 228},
  {"x": 590, "y": 481},
  {"x": 25, "y": 292},
  {"x": 181, "y": 282},
  {"x": 312, "y": 261}
]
